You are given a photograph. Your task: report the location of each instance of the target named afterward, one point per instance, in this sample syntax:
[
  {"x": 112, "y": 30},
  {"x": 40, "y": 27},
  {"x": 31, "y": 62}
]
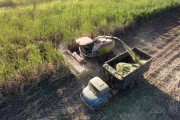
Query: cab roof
[
  {"x": 99, "y": 84},
  {"x": 84, "y": 41}
]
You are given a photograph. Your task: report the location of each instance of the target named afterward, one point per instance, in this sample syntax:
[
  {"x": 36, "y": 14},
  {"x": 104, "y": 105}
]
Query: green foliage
[
  {"x": 131, "y": 53},
  {"x": 31, "y": 30},
  {"x": 125, "y": 68}
]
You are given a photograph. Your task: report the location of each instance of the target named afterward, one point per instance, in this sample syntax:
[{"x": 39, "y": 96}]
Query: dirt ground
[{"x": 156, "y": 97}]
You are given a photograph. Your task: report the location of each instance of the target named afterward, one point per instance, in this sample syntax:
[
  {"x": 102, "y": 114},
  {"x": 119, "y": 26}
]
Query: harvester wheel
[{"x": 73, "y": 47}]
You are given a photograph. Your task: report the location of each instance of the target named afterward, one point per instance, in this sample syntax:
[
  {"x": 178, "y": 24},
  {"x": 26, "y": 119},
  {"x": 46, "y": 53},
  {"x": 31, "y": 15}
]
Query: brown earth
[{"x": 156, "y": 97}]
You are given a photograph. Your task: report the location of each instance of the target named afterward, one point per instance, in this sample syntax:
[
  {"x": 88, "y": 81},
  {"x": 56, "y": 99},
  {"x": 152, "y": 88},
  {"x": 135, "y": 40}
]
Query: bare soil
[{"x": 156, "y": 97}]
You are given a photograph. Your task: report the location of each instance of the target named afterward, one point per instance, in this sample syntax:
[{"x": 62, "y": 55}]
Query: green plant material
[
  {"x": 125, "y": 68},
  {"x": 135, "y": 57},
  {"x": 142, "y": 61}
]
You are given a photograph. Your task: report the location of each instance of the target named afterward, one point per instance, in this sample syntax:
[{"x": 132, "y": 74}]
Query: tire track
[
  {"x": 155, "y": 71},
  {"x": 164, "y": 57},
  {"x": 167, "y": 48},
  {"x": 170, "y": 83},
  {"x": 165, "y": 75}
]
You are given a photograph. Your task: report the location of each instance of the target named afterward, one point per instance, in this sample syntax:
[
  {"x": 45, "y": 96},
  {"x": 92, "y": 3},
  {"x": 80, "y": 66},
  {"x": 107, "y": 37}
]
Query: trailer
[
  {"x": 100, "y": 91},
  {"x": 116, "y": 80}
]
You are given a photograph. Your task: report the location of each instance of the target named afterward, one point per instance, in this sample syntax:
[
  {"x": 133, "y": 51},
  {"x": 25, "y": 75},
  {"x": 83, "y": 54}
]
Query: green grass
[{"x": 31, "y": 31}]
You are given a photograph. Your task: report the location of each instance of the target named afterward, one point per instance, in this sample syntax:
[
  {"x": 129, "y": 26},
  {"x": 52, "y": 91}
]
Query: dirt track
[{"x": 156, "y": 97}]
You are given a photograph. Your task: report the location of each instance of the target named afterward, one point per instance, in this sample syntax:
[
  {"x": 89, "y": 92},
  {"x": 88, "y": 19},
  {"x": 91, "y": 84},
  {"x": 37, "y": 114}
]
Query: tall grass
[
  {"x": 14, "y": 3},
  {"x": 31, "y": 32}
]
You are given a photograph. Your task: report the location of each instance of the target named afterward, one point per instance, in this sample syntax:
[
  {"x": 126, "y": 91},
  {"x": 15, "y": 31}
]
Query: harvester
[{"x": 91, "y": 53}]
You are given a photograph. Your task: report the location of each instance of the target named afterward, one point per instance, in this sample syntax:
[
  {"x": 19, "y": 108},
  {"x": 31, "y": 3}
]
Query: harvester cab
[{"x": 98, "y": 46}]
